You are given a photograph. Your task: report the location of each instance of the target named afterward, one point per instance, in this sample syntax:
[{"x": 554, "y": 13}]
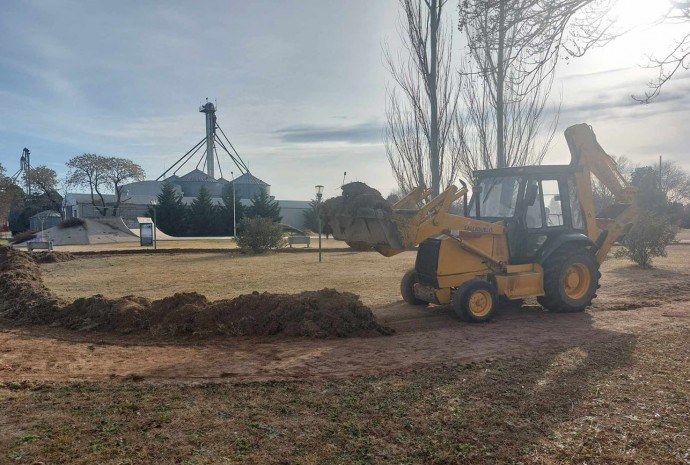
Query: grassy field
[
  {"x": 209, "y": 243},
  {"x": 222, "y": 275}
]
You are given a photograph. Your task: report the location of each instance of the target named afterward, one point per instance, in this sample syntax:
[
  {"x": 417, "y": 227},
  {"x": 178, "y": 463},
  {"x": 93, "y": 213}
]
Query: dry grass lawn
[{"x": 225, "y": 275}]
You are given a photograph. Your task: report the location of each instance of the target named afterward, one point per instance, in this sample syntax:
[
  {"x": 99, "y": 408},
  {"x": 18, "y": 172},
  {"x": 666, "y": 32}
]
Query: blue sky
[{"x": 300, "y": 86}]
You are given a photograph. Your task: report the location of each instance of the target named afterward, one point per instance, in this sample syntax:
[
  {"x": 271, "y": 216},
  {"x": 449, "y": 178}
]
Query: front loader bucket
[{"x": 372, "y": 228}]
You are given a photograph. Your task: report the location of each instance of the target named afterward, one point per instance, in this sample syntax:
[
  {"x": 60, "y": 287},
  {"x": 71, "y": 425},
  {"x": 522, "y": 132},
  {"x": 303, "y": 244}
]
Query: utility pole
[
  {"x": 234, "y": 204},
  {"x": 319, "y": 194}
]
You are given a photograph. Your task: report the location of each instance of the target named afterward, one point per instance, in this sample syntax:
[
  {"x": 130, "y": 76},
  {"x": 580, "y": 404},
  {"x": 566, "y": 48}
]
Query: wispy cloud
[{"x": 365, "y": 133}]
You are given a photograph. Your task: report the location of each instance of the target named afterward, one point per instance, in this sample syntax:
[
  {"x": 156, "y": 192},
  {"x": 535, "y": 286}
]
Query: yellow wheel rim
[
  {"x": 480, "y": 303},
  {"x": 576, "y": 281}
]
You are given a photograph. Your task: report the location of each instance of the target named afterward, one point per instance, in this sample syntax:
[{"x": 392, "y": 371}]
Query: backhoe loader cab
[{"x": 538, "y": 205}]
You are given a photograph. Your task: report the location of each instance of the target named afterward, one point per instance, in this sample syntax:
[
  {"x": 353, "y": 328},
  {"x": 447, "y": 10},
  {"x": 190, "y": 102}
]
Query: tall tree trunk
[
  {"x": 425, "y": 132},
  {"x": 500, "y": 85},
  {"x": 433, "y": 100}
]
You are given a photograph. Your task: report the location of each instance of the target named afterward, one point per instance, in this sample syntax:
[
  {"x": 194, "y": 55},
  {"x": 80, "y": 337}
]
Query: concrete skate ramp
[
  {"x": 160, "y": 235},
  {"x": 94, "y": 231}
]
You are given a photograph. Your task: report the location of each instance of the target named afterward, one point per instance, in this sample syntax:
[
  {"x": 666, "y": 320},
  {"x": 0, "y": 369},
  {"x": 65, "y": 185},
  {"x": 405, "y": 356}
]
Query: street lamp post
[
  {"x": 155, "y": 223},
  {"x": 234, "y": 217},
  {"x": 319, "y": 194},
  {"x": 43, "y": 219}
]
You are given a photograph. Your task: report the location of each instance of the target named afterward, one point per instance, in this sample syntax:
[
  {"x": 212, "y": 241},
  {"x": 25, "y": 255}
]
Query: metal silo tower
[{"x": 210, "y": 111}]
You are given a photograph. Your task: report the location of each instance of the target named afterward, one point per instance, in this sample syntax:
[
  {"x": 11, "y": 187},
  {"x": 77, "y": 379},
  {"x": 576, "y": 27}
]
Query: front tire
[
  {"x": 475, "y": 301},
  {"x": 407, "y": 288},
  {"x": 571, "y": 279}
]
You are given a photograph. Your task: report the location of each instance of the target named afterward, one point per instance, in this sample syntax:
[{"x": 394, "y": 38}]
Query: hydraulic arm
[{"x": 613, "y": 222}]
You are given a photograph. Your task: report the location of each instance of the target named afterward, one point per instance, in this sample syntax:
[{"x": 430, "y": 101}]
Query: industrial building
[{"x": 139, "y": 196}]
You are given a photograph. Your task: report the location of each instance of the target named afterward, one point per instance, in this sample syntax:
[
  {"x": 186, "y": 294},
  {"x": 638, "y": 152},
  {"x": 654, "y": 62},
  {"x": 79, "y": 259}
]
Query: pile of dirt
[
  {"x": 53, "y": 257},
  {"x": 356, "y": 195},
  {"x": 23, "y": 296},
  {"x": 318, "y": 314}
]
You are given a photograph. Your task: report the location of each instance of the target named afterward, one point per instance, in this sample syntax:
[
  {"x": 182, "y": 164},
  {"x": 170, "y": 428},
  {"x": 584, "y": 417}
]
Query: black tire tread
[
  {"x": 407, "y": 288},
  {"x": 551, "y": 299}
]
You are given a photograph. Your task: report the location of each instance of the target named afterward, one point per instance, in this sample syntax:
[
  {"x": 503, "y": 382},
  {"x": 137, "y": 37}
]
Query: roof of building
[
  {"x": 46, "y": 214},
  {"x": 86, "y": 198},
  {"x": 249, "y": 178},
  {"x": 196, "y": 176}
]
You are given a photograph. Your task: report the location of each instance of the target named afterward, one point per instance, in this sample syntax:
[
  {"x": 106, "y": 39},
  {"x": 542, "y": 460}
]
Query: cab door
[{"x": 542, "y": 216}]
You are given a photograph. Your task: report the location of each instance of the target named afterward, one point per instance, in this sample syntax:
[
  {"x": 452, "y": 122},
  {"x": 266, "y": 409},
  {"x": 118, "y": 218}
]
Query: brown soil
[
  {"x": 320, "y": 314},
  {"x": 25, "y": 299},
  {"x": 317, "y": 314},
  {"x": 53, "y": 257},
  {"x": 356, "y": 195}
]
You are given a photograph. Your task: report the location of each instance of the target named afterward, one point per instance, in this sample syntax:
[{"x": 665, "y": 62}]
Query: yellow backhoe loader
[{"x": 526, "y": 232}]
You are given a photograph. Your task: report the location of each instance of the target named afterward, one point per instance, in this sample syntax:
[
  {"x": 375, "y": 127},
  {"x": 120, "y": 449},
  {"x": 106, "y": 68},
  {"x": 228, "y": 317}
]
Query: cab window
[
  {"x": 552, "y": 203},
  {"x": 535, "y": 215},
  {"x": 498, "y": 197}
]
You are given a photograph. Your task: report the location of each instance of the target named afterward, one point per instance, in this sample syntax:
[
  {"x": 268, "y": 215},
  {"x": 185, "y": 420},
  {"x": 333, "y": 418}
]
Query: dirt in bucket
[{"x": 356, "y": 195}]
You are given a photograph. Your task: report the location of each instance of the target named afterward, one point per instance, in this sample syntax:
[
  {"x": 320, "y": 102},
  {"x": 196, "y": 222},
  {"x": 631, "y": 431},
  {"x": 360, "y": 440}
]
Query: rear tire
[
  {"x": 475, "y": 301},
  {"x": 571, "y": 279},
  {"x": 407, "y": 288}
]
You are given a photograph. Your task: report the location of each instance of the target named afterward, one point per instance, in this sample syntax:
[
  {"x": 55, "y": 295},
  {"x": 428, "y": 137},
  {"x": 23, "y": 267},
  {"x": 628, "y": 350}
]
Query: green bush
[
  {"x": 259, "y": 234},
  {"x": 647, "y": 239}
]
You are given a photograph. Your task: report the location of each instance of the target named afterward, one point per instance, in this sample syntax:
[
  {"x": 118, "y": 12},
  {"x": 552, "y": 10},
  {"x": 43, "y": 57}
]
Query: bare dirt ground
[
  {"x": 631, "y": 301},
  {"x": 611, "y": 385}
]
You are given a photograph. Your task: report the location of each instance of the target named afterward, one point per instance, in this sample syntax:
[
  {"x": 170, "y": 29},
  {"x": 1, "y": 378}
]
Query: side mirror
[{"x": 531, "y": 194}]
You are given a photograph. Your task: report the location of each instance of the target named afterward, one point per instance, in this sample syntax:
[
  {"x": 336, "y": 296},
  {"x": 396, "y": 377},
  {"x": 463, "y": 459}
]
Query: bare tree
[
  {"x": 46, "y": 182},
  {"x": 90, "y": 170},
  {"x": 676, "y": 59},
  {"x": 118, "y": 172},
  {"x": 601, "y": 195},
  {"x": 513, "y": 49},
  {"x": 101, "y": 175},
  {"x": 423, "y": 132},
  {"x": 674, "y": 182},
  {"x": 11, "y": 195}
]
